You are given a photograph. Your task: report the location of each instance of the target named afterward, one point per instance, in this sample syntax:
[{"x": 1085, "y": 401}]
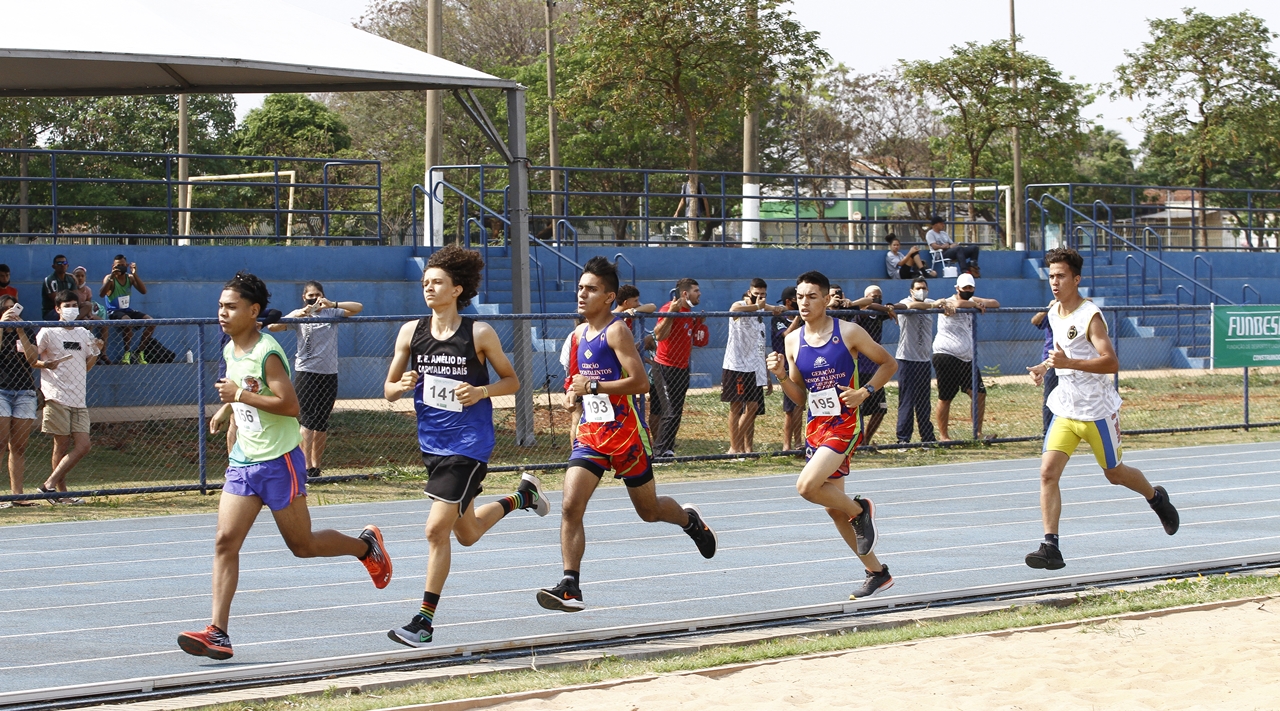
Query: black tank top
[{"x": 468, "y": 433}]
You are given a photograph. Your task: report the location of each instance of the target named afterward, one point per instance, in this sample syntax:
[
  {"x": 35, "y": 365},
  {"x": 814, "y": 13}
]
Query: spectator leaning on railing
[
  {"x": 17, "y": 395},
  {"x": 68, "y": 354},
  {"x": 915, "y": 353},
  {"x": 873, "y": 313},
  {"x": 953, "y": 354},
  {"x": 315, "y": 367},
  {"x": 744, "y": 378}
]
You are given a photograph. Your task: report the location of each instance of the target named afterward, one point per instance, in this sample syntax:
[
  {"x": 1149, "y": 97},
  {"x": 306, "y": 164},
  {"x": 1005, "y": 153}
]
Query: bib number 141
[{"x": 439, "y": 393}]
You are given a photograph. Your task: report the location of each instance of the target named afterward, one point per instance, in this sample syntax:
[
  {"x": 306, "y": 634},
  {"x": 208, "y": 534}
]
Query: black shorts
[
  {"x": 954, "y": 376},
  {"x": 873, "y": 404},
  {"x": 454, "y": 479},
  {"x": 736, "y": 386},
  {"x": 316, "y": 394}
]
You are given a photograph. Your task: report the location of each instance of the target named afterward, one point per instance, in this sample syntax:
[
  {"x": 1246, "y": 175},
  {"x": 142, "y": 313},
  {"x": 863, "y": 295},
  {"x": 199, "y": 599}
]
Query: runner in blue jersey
[
  {"x": 444, "y": 359},
  {"x": 611, "y": 434},
  {"x": 819, "y": 371}
]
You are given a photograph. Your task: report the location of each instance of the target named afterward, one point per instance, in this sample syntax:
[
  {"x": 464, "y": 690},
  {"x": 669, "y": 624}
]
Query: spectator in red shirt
[
  {"x": 7, "y": 289},
  {"x": 671, "y": 367}
]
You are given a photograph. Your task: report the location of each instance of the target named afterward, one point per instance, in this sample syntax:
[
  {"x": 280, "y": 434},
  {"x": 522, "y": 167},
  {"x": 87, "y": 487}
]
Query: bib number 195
[{"x": 824, "y": 403}]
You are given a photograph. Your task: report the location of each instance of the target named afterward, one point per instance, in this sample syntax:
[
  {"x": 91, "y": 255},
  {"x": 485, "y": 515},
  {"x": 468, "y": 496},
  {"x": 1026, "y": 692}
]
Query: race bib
[
  {"x": 123, "y": 301},
  {"x": 824, "y": 403},
  {"x": 247, "y": 418},
  {"x": 438, "y": 393},
  {"x": 597, "y": 408}
]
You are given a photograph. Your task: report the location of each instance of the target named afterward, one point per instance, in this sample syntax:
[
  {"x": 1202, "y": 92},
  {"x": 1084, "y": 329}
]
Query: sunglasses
[{"x": 60, "y": 263}]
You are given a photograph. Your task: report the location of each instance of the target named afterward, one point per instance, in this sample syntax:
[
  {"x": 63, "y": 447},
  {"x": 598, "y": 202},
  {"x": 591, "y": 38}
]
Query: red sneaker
[
  {"x": 212, "y": 643},
  {"x": 376, "y": 561}
]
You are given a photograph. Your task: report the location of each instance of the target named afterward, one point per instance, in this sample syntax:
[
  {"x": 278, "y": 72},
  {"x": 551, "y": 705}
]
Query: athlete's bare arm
[
  {"x": 1106, "y": 362},
  {"x": 618, "y": 336},
  {"x": 401, "y": 379},
  {"x": 489, "y": 349},
  {"x": 284, "y": 402},
  {"x": 858, "y": 341},
  {"x": 783, "y": 367}
]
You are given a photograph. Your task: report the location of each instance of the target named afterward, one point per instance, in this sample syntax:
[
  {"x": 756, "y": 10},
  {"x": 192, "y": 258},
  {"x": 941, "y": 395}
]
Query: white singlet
[{"x": 1080, "y": 395}]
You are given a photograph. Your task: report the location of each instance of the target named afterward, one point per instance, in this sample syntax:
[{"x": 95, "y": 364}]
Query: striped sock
[
  {"x": 518, "y": 500},
  {"x": 429, "y": 602}
]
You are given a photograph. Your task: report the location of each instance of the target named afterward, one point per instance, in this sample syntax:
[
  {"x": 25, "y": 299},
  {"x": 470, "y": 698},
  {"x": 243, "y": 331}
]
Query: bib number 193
[
  {"x": 597, "y": 408},
  {"x": 824, "y": 403}
]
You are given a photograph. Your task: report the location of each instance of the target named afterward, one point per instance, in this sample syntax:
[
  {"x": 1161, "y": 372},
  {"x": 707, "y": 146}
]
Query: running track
[{"x": 101, "y": 600}]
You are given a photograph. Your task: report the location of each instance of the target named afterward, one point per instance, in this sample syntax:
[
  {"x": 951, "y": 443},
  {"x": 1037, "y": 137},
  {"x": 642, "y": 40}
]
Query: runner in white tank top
[{"x": 1085, "y": 405}]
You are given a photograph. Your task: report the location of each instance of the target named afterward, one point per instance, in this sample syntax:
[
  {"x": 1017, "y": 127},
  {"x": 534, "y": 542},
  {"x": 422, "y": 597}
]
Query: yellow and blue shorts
[{"x": 1103, "y": 436}]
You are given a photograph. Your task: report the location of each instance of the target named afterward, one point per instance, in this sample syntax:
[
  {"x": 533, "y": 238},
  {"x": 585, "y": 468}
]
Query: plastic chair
[{"x": 948, "y": 270}]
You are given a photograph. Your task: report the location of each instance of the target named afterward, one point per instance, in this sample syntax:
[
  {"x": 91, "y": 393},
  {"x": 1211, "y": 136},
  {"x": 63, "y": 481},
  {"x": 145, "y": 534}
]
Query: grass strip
[{"x": 1088, "y": 605}]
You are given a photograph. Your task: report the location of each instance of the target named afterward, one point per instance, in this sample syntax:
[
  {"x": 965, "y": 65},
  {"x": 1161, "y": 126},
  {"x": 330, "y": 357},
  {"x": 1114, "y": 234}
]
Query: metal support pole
[
  {"x": 750, "y": 232},
  {"x": 200, "y": 420},
  {"x": 1246, "y": 399},
  {"x": 1014, "y": 216},
  {"x": 553, "y": 137},
  {"x": 433, "y": 234},
  {"x": 521, "y": 303},
  {"x": 53, "y": 194},
  {"x": 24, "y": 217},
  {"x": 974, "y": 379},
  {"x": 184, "y": 170}
]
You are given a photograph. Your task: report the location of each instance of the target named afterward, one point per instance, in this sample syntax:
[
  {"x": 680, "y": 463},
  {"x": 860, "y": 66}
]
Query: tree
[
  {"x": 980, "y": 105},
  {"x": 1212, "y": 83},
  {"x": 292, "y": 125},
  {"x": 678, "y": 63}
]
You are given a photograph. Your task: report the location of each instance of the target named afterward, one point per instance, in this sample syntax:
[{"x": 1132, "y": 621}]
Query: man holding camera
[
  {"x": 744, "y": 377},
  {"x": 118, "y": 288}
]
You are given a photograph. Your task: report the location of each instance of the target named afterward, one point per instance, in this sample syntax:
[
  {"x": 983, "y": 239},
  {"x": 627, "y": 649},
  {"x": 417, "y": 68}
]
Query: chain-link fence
[{"x": 709, "y": 397}]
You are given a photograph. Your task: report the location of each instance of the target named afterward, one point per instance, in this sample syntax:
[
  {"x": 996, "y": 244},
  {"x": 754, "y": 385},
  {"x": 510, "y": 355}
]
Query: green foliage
[
  {"x": 1214, "y": 90},
  {"x": 980, "y": 106},
  {"x": 292, "y": 125}
]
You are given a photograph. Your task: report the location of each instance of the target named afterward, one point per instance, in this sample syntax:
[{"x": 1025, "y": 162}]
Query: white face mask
[
  {"x": 69, "y": 313},
  {"x": 920, "y": 294}
]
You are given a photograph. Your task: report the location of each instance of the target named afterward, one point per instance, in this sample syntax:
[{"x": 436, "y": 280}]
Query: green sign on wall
[{"x": 1246, "y": 336}]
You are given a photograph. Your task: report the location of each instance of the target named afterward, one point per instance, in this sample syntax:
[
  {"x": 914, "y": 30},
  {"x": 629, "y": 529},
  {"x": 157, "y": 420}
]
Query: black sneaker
[
  {"x": 1046, "y": 557},
  {"x": 864, "y": 526},
  {"x": 874, "y": 583},
  {"x": 1165, "y": 510},
  {"x": 700, "y": 532},
  {"x": 565, "y": 597},
  {"x": 539, "y": 505},
  {"x": 415, "y": 634},
  {"x": 313, "y": 472}
]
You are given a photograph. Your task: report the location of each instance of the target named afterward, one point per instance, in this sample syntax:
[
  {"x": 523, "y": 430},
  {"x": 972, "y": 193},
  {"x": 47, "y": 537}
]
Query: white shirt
[
  {"x": 955, "y": 336},
  {"x": 938, "y": 236},
  {"x": 66, "y": 384},
  {"x": 744, "y": 351},
  {"x": 915, "y": 333},
  {"x": 1080, "y": 395},
  {"x": 564, "y": 351}
]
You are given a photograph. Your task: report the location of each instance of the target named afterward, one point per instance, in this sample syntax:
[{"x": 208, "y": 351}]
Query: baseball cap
[
  {"x": 79, "y": 269},
  {"x": 964, "y": 280},
  {"x": 788, "y": 294}
]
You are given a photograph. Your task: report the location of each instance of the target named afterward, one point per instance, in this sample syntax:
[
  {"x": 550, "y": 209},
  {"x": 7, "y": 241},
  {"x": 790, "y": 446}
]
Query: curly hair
[
  {"x": 250, "y": 288},
  {"x": 464, "y": 268}
]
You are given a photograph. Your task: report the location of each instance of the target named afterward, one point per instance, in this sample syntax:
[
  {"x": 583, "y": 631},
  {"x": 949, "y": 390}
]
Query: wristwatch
[
  {"x": 871, "y": 389},
  {"x": 593, "y": 387}
]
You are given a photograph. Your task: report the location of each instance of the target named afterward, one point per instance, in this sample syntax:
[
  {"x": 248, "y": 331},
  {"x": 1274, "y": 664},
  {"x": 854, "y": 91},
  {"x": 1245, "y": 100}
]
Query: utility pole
[
  {"x": 184, "y": 172},
  {"x": 434, "y": 134},
  {"x": 553, "y": 136},
  {"x": 1015, "y": 233},
  {"x": 751, "y": 156}
]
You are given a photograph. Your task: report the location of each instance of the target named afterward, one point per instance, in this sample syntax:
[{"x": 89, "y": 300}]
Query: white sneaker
[{"x": 542, "y": 507}]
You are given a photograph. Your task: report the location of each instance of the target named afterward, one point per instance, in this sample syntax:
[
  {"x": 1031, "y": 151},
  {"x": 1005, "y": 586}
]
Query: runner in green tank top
[{"x": 266, "y": 463}]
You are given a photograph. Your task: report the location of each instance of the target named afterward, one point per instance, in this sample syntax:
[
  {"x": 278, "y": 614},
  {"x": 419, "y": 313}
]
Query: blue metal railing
[
  {"x": 1244, "y": 294},
  {"x": 620, "y": 257},
  {"x": 646, "y": 200},
  {"x": 1142, "y": 272},
  {"x": 139, "y": 199},
  {"x": 1247, "y": 218}
]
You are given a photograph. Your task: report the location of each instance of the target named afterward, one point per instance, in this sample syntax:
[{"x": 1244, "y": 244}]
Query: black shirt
[{"x": 15, "y": 372}]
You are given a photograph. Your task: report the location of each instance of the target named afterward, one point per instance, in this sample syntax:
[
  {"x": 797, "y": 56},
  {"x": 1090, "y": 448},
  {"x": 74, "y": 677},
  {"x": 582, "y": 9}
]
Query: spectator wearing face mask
[
  {"x": 915, "y": 370},
  {"x": 67, "y": 354},
  {"x": 7, "y": 289},
  {"x": 871, "y": 317},
  {"x": 316, "y": 367},
  {"x": 953, "y": 354}
]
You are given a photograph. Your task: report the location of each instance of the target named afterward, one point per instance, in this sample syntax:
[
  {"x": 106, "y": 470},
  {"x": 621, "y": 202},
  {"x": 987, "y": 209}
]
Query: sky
[{"x": 1084, "y": 39}]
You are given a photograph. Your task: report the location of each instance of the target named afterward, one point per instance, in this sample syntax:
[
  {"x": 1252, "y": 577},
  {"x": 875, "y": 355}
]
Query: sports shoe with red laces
[
  {"x": 212, "y": 643},
  {"x": 376, "y": 561}
]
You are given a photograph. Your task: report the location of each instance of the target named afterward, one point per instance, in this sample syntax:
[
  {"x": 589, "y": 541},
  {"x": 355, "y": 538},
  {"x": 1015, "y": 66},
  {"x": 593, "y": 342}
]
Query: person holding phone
[
  {"x": 17, "y": 393},
  {"x": 118, "y": 288},
  {"x": 743, "y": 376},
  {"x": 68, "y": 354}
]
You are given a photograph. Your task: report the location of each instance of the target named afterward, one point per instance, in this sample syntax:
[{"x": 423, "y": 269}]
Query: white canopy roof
[{"x": 101, "y": 47}]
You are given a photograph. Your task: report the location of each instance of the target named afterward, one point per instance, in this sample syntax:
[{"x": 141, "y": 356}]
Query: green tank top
[
  {"x": 119, "y": 290},
  {"x": 260, "y": 436}
]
